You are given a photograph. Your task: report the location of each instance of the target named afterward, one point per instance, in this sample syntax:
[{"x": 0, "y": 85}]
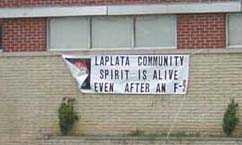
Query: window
[
  {"x": 1, "y": 35},
  {"x": 112, "y": 32},
  {"x": 104, "y": 32},
  {"x": 155, "y": 31},
  {"x": 234, "y": 30},
  {"x": 69, "y": 33}
]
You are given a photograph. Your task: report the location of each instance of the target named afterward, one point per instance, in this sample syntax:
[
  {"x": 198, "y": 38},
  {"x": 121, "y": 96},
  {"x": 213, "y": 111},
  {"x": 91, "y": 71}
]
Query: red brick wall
[
  {"x": 21, "y": 3},
  {"x": 193, "y": 31},
  {"x": 24, "y": 34},
  {"x": 201, "y": 31}
]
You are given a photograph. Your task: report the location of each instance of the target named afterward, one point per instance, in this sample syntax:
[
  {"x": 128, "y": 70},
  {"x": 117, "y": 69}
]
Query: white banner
[{"x": 130, "y": 74}]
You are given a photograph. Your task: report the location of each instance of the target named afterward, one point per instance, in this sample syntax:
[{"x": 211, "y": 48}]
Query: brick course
[
  {"x": 201, "y": 31},
  {"x": 24, "y": 34}
]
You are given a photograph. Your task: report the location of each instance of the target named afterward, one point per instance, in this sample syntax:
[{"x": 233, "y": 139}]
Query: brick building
[
  {"x": 75, "y": 25},
  {"x": 34, "y": 78}
]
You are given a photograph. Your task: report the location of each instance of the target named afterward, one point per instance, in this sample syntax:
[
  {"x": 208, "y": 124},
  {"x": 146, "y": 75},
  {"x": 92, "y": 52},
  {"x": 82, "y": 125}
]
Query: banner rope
[{"x": 181, "y": 105}]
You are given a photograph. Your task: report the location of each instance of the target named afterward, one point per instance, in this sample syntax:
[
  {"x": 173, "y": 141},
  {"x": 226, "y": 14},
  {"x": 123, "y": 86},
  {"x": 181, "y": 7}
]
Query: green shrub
[
  {"x": 67, "y": 116},
  {"x": 230, "y": 120}
]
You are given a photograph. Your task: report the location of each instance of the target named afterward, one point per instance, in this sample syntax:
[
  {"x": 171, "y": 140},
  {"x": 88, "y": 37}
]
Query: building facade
[{"x": 34, "y": 78}]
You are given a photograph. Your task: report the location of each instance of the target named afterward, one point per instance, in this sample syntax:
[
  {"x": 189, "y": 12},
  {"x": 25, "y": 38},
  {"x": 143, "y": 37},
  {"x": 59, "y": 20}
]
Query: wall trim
[
  {"x": 123, "y": 52},
  {"x": 174, "y": 8},
  {"x": 178, "y": 8}
]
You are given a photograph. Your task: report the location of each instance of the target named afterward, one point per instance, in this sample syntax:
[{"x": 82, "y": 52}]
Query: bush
[
  {"x": 67, "y": 116},
  {"x": 230, "y": 120}
]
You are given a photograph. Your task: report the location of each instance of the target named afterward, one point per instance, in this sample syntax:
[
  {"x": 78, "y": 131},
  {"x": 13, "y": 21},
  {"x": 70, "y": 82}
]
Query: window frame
[{"x": 133, "y": 45}]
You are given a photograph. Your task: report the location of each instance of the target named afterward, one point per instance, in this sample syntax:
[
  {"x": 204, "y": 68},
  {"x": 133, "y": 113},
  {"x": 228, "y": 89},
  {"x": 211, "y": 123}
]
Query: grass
[{"x": 143, "y": 134}]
